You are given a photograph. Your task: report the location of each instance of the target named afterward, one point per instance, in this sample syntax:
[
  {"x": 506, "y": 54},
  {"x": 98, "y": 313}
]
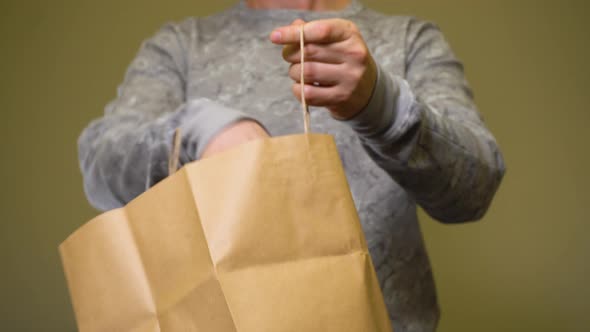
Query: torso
[{"x": 246, "y": 72}]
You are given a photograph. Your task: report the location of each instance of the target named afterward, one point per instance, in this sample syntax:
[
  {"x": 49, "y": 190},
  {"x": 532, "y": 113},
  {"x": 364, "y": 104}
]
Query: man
[{"x": 388, "y": 88}]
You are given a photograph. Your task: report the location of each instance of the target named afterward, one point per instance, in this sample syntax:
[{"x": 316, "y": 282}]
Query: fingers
[
  {"x": 317, "y": 73},
  {"x": 339, "y": 65},
  {"x": 327, "y": 53},
  {"x": 321, "y": 31},
  {"x": 319, "y": 95}
]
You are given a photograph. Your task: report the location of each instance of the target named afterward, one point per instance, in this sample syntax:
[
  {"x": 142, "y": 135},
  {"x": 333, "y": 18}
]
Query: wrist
[
  {"x": 360, "y": 99},
  {"x": 378, "y": 113}
]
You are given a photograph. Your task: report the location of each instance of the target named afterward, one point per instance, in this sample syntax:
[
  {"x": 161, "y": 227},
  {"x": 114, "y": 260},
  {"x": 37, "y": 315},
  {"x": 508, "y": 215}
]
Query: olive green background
[{"x": 525, "y": 267}]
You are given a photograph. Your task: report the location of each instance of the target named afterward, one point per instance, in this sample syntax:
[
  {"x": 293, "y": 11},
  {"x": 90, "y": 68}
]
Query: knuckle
[
  {"x": 314, "y": 102},
  {"x": 352, "y": 27},
  {"x": 310, "y": 51},
  {"x": 324, "y": 31},
  {"x": 296, "y": 90},
  {"x": 312, "y": 98},
  {"x": 341, "y": 97},
  {"x": 294, "y": 72},
  {"x": 356, "y": 75},
  {"x": 309, "y": 72},
  {"x": 359, "y": 53},
  {"x": 343, "y": 94}
]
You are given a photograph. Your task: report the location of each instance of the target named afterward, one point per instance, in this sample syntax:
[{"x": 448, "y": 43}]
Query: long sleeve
[
  {"x": 425, "y": 131},
  {"x": 126, "y": 151}
]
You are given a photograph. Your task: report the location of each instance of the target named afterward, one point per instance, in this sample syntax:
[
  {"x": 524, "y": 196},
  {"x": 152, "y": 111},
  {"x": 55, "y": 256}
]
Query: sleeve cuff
[
  {"x": 389, "y": 113},
  {"x": 202, "y": 119}
]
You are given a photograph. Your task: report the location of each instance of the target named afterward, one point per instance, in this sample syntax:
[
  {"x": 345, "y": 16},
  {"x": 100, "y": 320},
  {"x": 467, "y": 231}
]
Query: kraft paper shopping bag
[{"x": 261, "y": 238}]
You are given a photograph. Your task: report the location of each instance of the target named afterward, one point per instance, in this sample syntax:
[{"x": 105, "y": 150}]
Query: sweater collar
[{"x": 271, "y": 18}]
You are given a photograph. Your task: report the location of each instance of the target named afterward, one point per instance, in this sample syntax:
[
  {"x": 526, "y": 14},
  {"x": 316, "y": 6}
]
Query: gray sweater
[{"x": 419, "y": 141}]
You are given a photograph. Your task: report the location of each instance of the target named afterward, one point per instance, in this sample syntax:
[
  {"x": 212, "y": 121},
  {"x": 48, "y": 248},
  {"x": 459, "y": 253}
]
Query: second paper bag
[{"x": 262, "y": 238}]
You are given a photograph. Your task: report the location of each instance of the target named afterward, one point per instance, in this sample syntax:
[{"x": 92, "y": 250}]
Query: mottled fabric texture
[{"x": 420, "y": 141}]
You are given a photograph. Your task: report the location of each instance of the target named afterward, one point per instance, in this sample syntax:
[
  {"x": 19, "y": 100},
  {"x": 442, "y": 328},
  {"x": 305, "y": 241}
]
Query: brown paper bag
[{"x": 261, "y": 238}]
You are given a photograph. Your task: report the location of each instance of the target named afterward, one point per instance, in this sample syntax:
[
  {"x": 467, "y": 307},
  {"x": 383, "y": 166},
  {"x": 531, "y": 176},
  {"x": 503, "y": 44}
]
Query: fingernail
[{"x": 275, "y": 36}]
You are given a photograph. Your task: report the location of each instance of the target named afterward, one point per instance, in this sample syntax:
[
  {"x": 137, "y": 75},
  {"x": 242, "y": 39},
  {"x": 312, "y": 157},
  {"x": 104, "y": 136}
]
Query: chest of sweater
[
  {"x": 245, "y": 71},
  {"x": 239, "y": 67}
]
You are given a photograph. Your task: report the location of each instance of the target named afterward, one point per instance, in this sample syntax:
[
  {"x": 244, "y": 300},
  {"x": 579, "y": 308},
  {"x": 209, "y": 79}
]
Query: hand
[
  {"x": 234, "y": 135},
  {"x": 340, "y": 72}
]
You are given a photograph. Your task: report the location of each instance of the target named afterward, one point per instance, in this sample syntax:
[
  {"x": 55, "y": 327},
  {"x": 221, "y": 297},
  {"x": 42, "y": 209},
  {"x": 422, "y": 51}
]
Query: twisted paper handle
[
  {"x": 306, "y": 118},
  {"x": 175, "y": 154}
]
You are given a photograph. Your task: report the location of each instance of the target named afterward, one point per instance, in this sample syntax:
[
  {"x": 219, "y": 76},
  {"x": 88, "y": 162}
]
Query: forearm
[
  {"x": 452, "y": 168},
  {"x": 123, "y": 155}
]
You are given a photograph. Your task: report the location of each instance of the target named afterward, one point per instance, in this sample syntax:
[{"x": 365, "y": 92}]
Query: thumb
[{"x": 275, "y": 36}]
